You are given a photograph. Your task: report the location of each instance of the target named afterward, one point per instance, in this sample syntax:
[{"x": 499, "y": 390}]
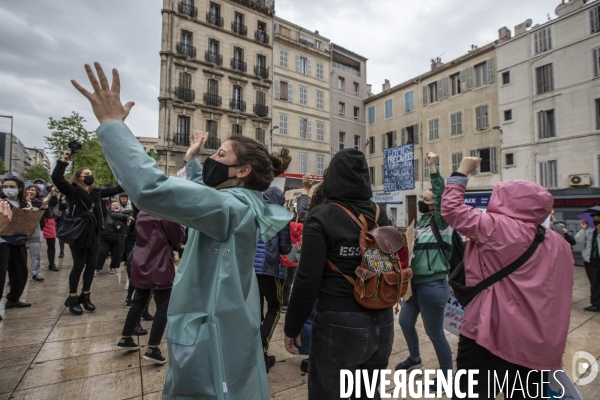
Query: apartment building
[
  {"x": 348, "y": 92},
  {"x": 450, "y": 110},
  {"x": 549, "y": 99},
  {"x": 301, "y": 97},
  {"x": 37, "y": 156},
  {"x": 216, "y": 59}
]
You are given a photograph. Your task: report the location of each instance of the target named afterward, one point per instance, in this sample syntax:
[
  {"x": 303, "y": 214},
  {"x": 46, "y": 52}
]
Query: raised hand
[
  {"x": 67, "y": 155},
  {"x": 106, "y": 99},
  {"x": 583, "y": 224},
  {"x": 431, "y": 161},
  {"x": 5, "y": 214},
  {"x": 468, "y": 165},
  {"x": 197, "y": 142},
  {"x": 307, "y": 183}
]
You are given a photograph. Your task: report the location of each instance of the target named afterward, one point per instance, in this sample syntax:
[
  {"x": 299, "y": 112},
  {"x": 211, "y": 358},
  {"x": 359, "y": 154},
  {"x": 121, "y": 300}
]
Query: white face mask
[{"x": 10, "y": 192}]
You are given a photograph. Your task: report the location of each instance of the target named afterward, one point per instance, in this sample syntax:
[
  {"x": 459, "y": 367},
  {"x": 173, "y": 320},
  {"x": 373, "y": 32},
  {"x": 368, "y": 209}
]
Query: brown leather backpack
[{"x": 383, "y": 274}]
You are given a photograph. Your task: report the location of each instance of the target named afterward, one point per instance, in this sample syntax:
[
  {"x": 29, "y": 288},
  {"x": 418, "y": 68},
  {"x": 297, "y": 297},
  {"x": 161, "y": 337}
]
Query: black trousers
[
  {"x": 593, "y": 274},
  {"x": 114, "y": 248},
  {"x": 290, "y": 276},
  {"x": 84, "y": 262},
  {"x": 51, "y": 243},
  {"x": 139, "y": 303},
  {"x": 473, "y": 356},
  {"x": 270, "y": 289},
  {"x": 13, "y": 259}
]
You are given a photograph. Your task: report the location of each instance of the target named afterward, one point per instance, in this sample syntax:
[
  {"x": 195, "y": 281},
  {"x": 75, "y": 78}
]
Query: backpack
[
  {"x": 383, "y": 274},
  {"x": 458, "y": 247}
]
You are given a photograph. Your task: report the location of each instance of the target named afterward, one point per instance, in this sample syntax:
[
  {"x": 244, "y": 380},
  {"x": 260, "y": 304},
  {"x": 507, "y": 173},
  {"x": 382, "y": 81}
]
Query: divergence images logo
[{"x": 583, "y": 366}]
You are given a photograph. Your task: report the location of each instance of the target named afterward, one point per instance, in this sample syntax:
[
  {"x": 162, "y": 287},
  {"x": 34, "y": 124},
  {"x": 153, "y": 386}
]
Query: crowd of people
[{"x": 217, "y": 251}]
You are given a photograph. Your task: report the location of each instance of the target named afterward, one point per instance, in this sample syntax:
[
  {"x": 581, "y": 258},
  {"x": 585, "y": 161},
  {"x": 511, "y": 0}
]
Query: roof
[
  {"x": 337, "y": 46},
  {"x": 278, "y": 19}
]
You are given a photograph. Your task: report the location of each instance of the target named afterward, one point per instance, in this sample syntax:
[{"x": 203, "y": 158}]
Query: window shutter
[
  {"x": 425, "y": 95},
  {"x": 491, "y": 73},
  {"x": 596, "y": 62},
  {"x": 416, "y": 134},
  {"x": 493, "y": 163},
  {"x": 470, "y": 78},
  {"x": 549, "y": 38},
  {"x": 537, "y": 40},
  {"x": 403, "y": 136},
  {"x": 308, "y": 67},
  {"x": 395, "y": 138},
  {"x": 475, "y": 153},
  {"x": 289, "y": 87},
  {"x": 478, "y": 118},
  {"x": 298, "y": 66},
  {"x": 309, "y": 129},
  {"x": 463, "y": 80},
  {"x": 277, "y": 89},
  {"x": 277, "y": 28},
  {"x": 416, "y": 169},
  {"x": 446, "y": 87},
  {"x": 383, "y": 141},
  {"x": 440, "y": 90},
  {"x": 485, "y": 117},
  {"x": 301, "y": 128}
]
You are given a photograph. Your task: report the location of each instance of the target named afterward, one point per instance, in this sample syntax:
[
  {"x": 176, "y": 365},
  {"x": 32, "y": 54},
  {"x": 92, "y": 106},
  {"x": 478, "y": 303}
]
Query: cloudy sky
[{"x": 44, "y": 44}]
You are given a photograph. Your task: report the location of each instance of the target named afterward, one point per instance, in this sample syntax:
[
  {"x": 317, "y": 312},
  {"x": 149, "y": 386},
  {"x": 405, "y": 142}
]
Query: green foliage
[
  {"x": 91, "y": 156},
  {"x": 37, "y": 172},
  {"x": 3, "y": 169}
]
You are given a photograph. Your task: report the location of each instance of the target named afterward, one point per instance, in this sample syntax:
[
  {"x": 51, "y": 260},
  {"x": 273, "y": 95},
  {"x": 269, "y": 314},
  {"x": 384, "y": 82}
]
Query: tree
[
  {"x": 92, "y": 157},
  {"x": 37, "y": 172},
  {"x": 3, "y": 169}
]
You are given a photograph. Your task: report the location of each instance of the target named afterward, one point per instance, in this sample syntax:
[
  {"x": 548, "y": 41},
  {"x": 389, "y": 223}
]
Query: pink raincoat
[{"x": 524, "y": 318}]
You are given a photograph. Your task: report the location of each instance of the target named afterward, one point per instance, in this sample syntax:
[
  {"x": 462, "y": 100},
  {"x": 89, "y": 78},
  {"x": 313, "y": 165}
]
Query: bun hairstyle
[{"x": 265, "y": 166}]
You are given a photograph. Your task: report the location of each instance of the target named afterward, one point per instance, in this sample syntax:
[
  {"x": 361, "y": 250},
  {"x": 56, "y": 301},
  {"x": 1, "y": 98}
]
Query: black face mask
[
  {"x": 214, "y": 173},
  {"x": 89, "y": 180},
  {"x": 423, "y": 207}
]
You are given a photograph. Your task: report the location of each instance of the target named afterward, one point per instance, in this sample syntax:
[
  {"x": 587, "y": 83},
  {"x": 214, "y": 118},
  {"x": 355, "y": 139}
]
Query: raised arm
[
  {"x": 110, "y": 192},
  {"x": 193, "y": 168},
  {"x": 58, "y": 176}
]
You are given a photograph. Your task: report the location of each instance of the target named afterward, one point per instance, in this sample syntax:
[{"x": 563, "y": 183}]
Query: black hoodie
[{"x": 329, "y": 233}]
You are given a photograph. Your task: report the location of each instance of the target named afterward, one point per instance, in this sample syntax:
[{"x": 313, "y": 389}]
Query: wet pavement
[{"x": 47, "y": 353}]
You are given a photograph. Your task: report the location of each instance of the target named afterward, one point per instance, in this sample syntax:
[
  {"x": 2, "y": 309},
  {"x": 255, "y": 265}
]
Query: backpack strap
[
  {"x": 336, "y": 269},
  {"x": 377, "y": 210},
  {"x": 362, "y": 225}
]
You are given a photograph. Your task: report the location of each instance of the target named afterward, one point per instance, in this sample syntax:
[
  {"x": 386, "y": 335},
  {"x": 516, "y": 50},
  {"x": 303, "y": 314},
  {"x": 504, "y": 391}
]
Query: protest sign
[
  {"x": 291, "y": 196},
  {"x": 453, "y": 314},
  {"x": 23, "y": 222},
  {"x": 399, "y": 168}
]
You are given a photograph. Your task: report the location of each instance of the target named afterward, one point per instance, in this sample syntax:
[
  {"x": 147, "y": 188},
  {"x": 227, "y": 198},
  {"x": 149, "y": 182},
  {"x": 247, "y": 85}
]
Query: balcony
[
  {"x": 188, "y": 9},
  {"x": 214, "y": 19},
  {"x": 238, "y": 64},
  {"x": 264, "y": 3},
  {"x": 237, "y": 105},
  {"x": 261, "y": 72},
  {"x": 212, "y": 143},
  {"x": 212, "y": 100},
  {"x": 181, "y": 139},
  {"x": 186, "y": 50},
  {"x": 261, "y": 36},
  {"x": 261, "y": 110},
  {"x": 185, "y": 94},
  {"x": 213, "y": 58},
  {"x": 238, "y": 28}
]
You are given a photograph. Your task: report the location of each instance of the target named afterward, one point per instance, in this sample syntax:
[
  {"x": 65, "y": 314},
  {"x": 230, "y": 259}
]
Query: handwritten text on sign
[{"x": 399, "y": 168}]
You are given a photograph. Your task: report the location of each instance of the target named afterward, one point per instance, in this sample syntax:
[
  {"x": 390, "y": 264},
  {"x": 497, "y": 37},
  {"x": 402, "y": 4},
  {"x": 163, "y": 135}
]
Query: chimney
[
  {"x": 386, "y": 85},
  {"x": 504, "y": 34},
  {"x": 436, "y": 63},
  {"x": 522, "y": 28},
  {"x": 316, "y": 32},
  {"x": 369, "y": 90}
]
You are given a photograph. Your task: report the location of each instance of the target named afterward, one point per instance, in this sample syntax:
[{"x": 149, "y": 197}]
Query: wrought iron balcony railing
[
  {"x": 238, "y": 28},
  {"x": 213, "y": 143},
  {"x": 181, "y": 139},
  {"x": 238, "y": 64},
  {"x": 185, "y": 94},
  {"x": 186, "y": 50},
  {"x": 237, "y": 105},
  {"x": 188, "y": 9},
  {"x": 214, "y": 19},
  {"x": 261, "y": 110},
  {"x": 261, "y": 36},
  {"x": 261, "y": 72},
  {"x": 213, "y": 58},
  {"x": 212, "y": 100}
]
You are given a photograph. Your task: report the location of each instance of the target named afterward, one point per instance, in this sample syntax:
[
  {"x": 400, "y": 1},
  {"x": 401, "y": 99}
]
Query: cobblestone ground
[{"x": 47, "y": 353}]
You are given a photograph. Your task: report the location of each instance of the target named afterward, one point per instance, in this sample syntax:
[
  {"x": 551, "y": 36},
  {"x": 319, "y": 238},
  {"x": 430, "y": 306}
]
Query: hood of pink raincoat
[{"x": 522, "y": 200}]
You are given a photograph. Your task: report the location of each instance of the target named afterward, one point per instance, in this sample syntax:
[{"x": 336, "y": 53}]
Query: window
[
  {"x": 372, "y": 175},
  {"x": 596, "y": 56},
  {"x": 544, "y": 79},
  {"x": 213, "y": 87},
  {"x": 356, "y": 142},
  {"x": 389, "y": 108},
  {"x": 456, "y": 124},
  {"x": 372, "y": 145},
  {"x": 303, "y": 163},
  {"x": 237, "y": 104},
  {"x": 597, "y": 114},
  {"x": 543, "y": 41},
  {"x": 283, "y": 58},
  {"x": 183, "y": 127},
  {"x": 320, "y": 165},
  {"x": 416, "y": 169},
  {"x": 506, "y": 78},
  {"x": 341, "y": 83},
  {"x": 213, "y": 56},
  {"x": 303, "y": 65},
  {"x": 237, "y": 129},
  {"x": 426, "y": 172},
  {"x": 371, "y": 115},
  {"x": 261, "y": 62},
  {"x": 482, "y": 119},
  {"x": 305, "y": 129},
  {"x": 238, "y": 59},
  {"x": 410, "y": 135},
  {"x": 388, "y": 139},
  {"x": 455, "y": 83},
  {"x": 509, "y": 159},
  {"x": 355, "y": 88},
  {"x": 595, "y": 19},
  {"x": 320, "y": 100},
  {"x": 409, "y": 101},
  {"x": 342, "y": 141},
  {"x": 433, "y": 92},
  {"x": 303, "y": 96},
  {"x": 320, "y": 131},
  {"x": 341, "y": 108},
  {"x": 186, "y": 38},
  {"x": 456, "y": 159},
  {"x": 507, "y": 115},
  {"x": 283, "y": 90},
  {"x": 237, "y": 25},
  {"x": 260, "y": 135},
  {"x": 546, "y": 126},
  {"x": 481, "y": 74},
  {"x": 549, "y": 174},
  {"x": 320, "y": 74},
  {"x": 356, "y": 113},
  {"x": 212, "y": 129},
  {"x": 488, "y": 160},
  {"x": 283, "y": 124},
  {"x": 434, "y": 131}
]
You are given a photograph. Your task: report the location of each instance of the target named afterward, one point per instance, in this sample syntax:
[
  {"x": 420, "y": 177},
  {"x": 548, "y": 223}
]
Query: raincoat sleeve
[
  {"x": 438, "y": 186},
  {"x": 193, "y": 171},
  {"x": 580, "y": 236},
  {"x": 467, "y": 220},
  {"x": 171, "y": 198}
]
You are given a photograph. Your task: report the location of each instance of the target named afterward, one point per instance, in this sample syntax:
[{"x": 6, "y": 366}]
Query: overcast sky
[{"x": 44, "y": 44}]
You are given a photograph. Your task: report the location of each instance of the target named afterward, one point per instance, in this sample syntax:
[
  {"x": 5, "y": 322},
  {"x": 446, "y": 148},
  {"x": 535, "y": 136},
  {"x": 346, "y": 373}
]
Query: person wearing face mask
[
  {"x": 85, "y": 201},
  {"x": 13, "y": 252},
  {"x": 35, "y": 197},
  {"x": 590, "y": 236},
  {"x": 430, "y": 289}
]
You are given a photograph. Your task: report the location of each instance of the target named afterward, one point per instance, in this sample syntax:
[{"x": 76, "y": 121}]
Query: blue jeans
[
  {"x": 35, "y": 252},
  {"x": 430, "y": 300}
]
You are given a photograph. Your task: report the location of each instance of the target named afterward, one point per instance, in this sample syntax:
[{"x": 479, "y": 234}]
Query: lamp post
[
  {"x": 11, "y": 142},
  {"x": 271, "y": 132}
]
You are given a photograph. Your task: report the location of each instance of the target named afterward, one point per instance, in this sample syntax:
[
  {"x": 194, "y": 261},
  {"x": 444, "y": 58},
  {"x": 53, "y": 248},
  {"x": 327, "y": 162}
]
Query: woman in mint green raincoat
[{"x": 213, "y": 333}]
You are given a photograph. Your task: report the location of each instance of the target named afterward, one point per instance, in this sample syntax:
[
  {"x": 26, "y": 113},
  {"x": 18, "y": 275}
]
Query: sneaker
[
  {"x": 154, "y": 355},
  {"x": 112, "y": 270},
  {"x": 127, "y": 303},
  {"x": 284, "y": 309},
  {"x": 269, "y": 361},
  {"x": 37, "y": 278},
  {"x": 127, "y": 344},
  {"x": 96, "y": 272},
  {"x": 61, "y": 255},
  {"x": 592, "y": 309},
  {"x": 127, "y": 285},
  {"x": 409, "y": 364},
  {"x": 304, "y": 365}
]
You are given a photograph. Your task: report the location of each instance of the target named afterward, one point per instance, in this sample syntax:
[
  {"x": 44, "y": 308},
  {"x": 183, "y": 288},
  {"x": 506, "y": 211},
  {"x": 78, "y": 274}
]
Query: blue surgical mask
[
  {"x": 10, "y": 192},
  {"x": 41, "y": 186}
]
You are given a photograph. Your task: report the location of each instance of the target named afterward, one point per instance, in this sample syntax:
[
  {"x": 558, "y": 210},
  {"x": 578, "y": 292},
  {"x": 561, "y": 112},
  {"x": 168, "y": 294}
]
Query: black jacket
[
  {"x": 81, "y": 201},
  {"x": 329, "y": 233},
  {"x": 114, "y": 226}
]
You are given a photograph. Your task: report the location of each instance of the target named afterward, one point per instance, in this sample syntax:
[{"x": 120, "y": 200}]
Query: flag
[{"x": 367, "y": 143}]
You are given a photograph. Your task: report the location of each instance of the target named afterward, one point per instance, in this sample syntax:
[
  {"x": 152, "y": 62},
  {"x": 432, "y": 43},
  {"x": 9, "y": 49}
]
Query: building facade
[
  {"x": 12, "y": 147},
  {"x": 348, "y": 92},
  {"x": 451, "y": 111},
  {"x": 549, "y": 99},
  {"x": 216, "y": 59},
  {"x": 37, "y": 157},
  {"x": 301, "y": 97}
]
